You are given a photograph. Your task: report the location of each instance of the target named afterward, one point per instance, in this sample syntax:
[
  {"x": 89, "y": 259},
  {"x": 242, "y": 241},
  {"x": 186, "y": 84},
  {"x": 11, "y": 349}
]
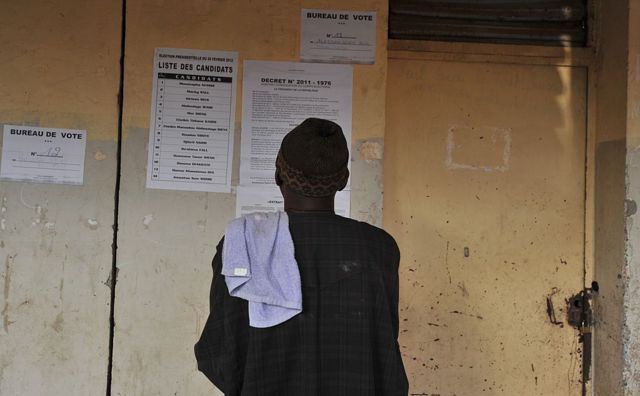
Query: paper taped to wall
[
  {"x": 43, "y": 155},
  {"x": 192, "y": 120},
  {"x": 277, "y": 97},
  {"x": 338, "y": 36},
  {"x": 269, "y": 199}
]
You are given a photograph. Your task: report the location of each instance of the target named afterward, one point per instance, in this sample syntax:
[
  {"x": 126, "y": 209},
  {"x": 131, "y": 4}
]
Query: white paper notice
[
  {"x": 43, "y": 155},
  {"x": 277, "y": 97},
  {"x": 192, "y": 120},
  {"x": 269, "y": 199},
  {"x": 338, "y": 36}
]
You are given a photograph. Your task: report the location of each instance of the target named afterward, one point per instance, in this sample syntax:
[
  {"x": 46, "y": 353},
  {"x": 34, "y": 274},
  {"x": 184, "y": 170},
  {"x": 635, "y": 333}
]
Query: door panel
[{"x": 484, "y": 192}]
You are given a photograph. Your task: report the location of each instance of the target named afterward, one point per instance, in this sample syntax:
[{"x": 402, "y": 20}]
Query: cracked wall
[
  {"x": 167, "y": 238},
  {"x": 59, "y": 69}
]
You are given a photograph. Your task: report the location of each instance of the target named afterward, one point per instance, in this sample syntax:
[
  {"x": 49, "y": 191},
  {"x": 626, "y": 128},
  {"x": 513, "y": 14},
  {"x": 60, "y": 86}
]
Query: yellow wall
[
  {"x": 164, "y": 264},
  {"x": 59, "y": 68},
  {"x": 484, "y": 192},
  {"x": 265, "y": 30}
]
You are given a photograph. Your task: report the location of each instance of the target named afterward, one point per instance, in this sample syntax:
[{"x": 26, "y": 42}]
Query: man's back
[{"x": 345, "y": 340}]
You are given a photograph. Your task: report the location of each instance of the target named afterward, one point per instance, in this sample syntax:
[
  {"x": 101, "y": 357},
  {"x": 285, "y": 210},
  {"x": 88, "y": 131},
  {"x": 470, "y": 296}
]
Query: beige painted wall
[
  {"x": 164, "y": 263},
  {"x": 59, "y": 68},
  {"x": 609, "y": 193},
  {"x": 631, "y": 331}
]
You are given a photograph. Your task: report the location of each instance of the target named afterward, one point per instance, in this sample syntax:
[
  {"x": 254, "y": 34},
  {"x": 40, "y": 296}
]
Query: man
[{"x": 344, "y": 342}]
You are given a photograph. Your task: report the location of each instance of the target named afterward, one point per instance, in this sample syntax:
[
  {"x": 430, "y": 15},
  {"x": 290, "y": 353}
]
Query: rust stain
[
  {"x": 446, "y": 262},
  {"x": 466, "y": 314}
]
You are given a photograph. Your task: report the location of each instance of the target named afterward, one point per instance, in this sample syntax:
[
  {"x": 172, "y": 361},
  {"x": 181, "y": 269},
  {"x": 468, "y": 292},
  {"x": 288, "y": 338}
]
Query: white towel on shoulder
[{"x": 259, "y": 265}]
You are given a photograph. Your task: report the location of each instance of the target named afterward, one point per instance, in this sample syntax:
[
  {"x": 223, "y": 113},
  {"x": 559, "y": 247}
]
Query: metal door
[{"x": 485, "y": 194}]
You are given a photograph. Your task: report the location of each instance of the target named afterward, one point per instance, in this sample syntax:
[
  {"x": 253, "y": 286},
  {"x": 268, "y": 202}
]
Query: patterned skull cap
[{"x": 313, "y": 158}]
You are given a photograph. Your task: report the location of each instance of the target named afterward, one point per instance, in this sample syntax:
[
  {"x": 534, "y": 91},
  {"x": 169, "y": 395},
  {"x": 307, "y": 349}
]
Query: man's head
[{"x": 313, "y": 158}]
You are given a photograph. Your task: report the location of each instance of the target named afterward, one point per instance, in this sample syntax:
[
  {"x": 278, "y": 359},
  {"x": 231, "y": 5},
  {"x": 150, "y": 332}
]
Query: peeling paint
[
  {"x": 92, "y": 224},
  {"x": 367, "y": 180},
  {"x": 630, "y": 207},
  {"x": 146, "y": 221},
  {"x": 7, "y": 288},
  {"x": 41, "y": 215},
  {"x": 3, "y": 211},
  {"x": 371, "y": 151},
  {"x": 99, "y": 156}
]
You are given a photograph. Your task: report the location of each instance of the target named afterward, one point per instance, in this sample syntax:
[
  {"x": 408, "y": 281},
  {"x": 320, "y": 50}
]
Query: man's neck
[{"x": 294, "y": 202}]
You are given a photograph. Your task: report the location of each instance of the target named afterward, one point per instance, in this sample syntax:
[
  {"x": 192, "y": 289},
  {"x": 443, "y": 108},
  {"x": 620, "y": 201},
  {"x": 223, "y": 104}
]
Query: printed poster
[
  {"x": 192, "y": 120},
  {"x": 43, "y": 155},
  {"x": 277, "y": 97},
  {"x": 335, "y": 36}
]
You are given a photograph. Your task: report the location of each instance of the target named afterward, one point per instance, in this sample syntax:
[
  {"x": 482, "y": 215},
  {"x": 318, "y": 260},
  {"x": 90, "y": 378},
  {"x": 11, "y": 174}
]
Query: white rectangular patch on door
[{"x": 478, "y": 148}]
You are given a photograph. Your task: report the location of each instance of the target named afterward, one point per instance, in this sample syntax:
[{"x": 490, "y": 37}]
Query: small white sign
[
  {"x": 338, "y": 36},
  {"x": 43, "y": 155}
]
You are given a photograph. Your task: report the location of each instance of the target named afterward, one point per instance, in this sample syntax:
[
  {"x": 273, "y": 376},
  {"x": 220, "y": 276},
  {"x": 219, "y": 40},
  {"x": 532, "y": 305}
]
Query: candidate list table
[{"x": 191, "y": 138}]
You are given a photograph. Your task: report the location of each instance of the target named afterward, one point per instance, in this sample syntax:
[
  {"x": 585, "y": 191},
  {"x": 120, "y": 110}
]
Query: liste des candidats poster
[{"x": 192, "y": 120}]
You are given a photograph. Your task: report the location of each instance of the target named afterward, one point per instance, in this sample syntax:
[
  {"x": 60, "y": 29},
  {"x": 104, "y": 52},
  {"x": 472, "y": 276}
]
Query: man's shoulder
[
  {"x": 372, "y": 234},
  {"x": 376, "y": 231}
]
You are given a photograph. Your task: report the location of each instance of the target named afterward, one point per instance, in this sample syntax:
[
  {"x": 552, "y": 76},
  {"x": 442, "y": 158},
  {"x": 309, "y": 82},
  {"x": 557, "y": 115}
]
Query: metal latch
[
  {"x": 579, "y": 311},
  {"x": 580, "y": 316}
]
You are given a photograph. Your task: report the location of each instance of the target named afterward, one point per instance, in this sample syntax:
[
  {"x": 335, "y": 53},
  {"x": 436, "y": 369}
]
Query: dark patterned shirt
[{"x": 344, "y": 343}]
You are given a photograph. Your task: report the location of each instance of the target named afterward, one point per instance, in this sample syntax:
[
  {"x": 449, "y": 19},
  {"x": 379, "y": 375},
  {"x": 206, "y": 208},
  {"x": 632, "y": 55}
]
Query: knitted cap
[{"x": 313, "y": 158}]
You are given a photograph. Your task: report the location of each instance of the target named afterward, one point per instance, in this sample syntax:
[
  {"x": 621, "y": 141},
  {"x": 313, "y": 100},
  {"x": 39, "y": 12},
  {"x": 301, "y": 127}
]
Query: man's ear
[{"x": 278, "y": 179}]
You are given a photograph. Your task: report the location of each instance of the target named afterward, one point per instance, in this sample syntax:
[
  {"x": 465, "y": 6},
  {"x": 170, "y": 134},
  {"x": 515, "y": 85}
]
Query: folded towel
[{"x": 259, "y": 266}]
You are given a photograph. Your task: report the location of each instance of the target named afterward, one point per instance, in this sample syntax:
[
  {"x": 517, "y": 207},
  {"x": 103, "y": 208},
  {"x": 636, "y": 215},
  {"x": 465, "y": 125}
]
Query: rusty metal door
[{"x": 485, "y": 194}]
